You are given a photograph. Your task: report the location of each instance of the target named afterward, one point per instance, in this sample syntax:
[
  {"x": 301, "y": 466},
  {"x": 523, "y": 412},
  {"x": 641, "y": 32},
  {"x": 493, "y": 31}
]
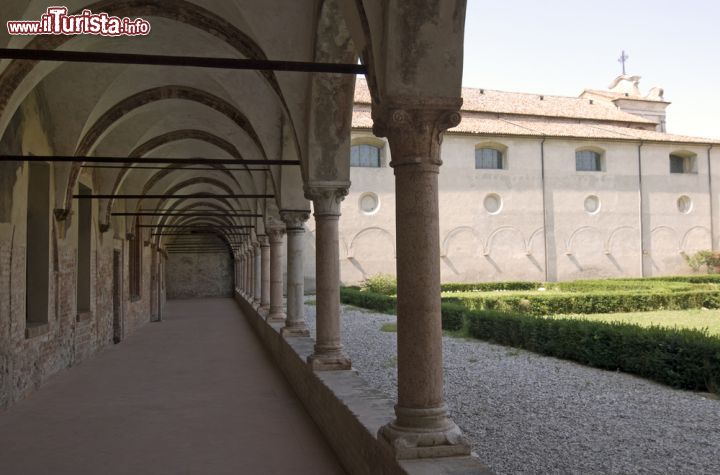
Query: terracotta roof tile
[
  {"x": 507, "y": 113},
  {"x": 516, "y": 103},
  {"x": 485, "y": 125}
]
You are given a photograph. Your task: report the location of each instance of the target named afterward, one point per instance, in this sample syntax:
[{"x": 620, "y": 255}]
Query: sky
[{"x": 561, "y": 47}]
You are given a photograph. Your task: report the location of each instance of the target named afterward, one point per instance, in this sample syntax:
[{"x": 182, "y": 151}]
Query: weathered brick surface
[
  {"x": 200, "y": 275},
  {"x": 26, "y": 363}
]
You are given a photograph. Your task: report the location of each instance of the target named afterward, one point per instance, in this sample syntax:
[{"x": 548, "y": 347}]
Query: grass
[
  {"x": 311, "y": 302},
  {"x": 389, "y": 328},
  {"x": 691, "y": 318}
]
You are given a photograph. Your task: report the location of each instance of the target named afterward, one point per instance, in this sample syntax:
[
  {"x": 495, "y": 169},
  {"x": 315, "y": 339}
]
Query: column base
[
  {"x": 296, "y": 330},
  {"x": 329, "y": 361},
  {"x": 424, "y": 433},
  {"x": 276, "y": 317}
]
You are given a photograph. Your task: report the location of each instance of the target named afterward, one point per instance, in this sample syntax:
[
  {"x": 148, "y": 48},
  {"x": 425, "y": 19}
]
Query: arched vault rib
[
  {"x": 149, "y": 96},
  {"x": 215, "y": 206},
  {"x": 155, "y": 178},
  {"x": 186, "y": 184},
  {"x": 178, "y": 10}
]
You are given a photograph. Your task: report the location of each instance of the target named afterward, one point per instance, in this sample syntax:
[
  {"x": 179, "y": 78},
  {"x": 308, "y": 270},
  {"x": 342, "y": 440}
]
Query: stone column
[
  {"x": 257, "y": 270},
  {"x": 276, "y": 277},
  {"x": 241, "y": 271},
  {"x": 329, "y": 353},
  {"x": 295, "y": 225},
  {"x": 250, "y": 265},
  {"x": 414, "y": 128},
  {"x": 264, "y": 274}
]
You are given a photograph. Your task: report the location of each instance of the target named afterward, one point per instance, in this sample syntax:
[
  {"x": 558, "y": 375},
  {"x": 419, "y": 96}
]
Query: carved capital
[
  {"x": 264, "y": 241},
  {"x": 326, "y": 198},
  {"x": 294, "y": 220},
  {"x": 415, "y": 126},
  {"x": 276, "y": 234}
]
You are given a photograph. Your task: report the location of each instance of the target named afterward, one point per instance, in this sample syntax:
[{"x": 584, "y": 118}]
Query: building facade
[{"x": 547, "y": 188}]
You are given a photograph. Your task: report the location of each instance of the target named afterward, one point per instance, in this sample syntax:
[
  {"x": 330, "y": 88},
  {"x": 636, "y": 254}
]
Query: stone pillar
[
  {"x": 276, "y": 275},
  {"x": 414, "y": 128},
  {"x": 257, "y": 270},
  {"x": 264, "y": 274},
  {"x": 241, "y": 271},
  {"x": 250, "y": 264},
  {"x": 328, "y": 353},
  {"x": 295, "y": 225}
]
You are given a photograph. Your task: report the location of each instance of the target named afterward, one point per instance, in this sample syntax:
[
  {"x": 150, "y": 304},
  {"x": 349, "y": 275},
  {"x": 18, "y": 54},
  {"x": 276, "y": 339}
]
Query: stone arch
[
  {"x": 149, "y": 96},
  {"x": 570, "y": 243},
  {"x": 612, "y": 237},
  {"x": 179, "y": 10},
  {"x": 332, "y": 97},
  {"x": 453, "y": 234},
  {"x": 489, "y": 243},
  {"x": 167, "y": 138},
  {"x": 376, "y": 230},
  {"x": 695, "y": 239},
  {"x": 665, "y": 250},
  {"x": 372, "y": 251},
  {"x": 533, "y": 238}
]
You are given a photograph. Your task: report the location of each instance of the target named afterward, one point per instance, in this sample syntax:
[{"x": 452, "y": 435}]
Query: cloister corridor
[{"x": 195, "y": 393}]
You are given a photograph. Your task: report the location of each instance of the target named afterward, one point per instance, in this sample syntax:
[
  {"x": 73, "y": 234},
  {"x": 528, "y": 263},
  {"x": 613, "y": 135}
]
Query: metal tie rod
[
  {"x": 203, "y": 226},
  {"x": 154, "y": 197},
  {"x": 186, "y": 61},
  {"x": 130, "y": 160},
  {"x": 211, "y": 214}
]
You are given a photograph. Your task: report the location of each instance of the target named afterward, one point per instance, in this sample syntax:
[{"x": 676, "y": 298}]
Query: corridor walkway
[{"x": 195, "y": 394}]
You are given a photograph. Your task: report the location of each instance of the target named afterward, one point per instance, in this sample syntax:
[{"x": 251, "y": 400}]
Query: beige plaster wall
[{"x": 510, "y": 244}]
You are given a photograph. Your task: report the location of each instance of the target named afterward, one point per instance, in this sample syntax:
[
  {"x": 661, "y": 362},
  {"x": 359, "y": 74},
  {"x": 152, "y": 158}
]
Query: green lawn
[{"x": 691, "y": 318}]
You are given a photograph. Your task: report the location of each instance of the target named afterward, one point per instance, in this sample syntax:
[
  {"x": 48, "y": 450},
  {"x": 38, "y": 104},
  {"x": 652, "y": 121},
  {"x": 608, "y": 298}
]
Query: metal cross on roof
[{"x": 623, "y": 57}]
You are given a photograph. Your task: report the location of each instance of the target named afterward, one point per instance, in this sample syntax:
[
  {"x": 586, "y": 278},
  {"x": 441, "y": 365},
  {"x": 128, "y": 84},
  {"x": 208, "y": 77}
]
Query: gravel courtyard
[{"x": 527, "y": 413}]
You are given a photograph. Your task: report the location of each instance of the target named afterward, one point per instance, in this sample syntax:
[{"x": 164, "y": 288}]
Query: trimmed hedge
[
  {"x": 369, "y": 300},
  {"x": 387, "y": 285},
  {"x": 490, "y": 286},
  {"x": 682, "y": 358},
  {"x": 452, "y": 314},
  {"x": 688, "y": 359},
  {"x": 595, "y": 302}
]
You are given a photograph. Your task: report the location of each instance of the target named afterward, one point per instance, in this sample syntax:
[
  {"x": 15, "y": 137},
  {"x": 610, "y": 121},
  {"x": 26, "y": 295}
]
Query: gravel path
[{"x": 527, "y": 413}]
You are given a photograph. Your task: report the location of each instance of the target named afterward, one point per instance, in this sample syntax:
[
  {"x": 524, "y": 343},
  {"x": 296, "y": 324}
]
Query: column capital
[
  {"x": 294, "y": 219},
  {"x": 275, "y": 233},
  {"x": 415, "y": 126},
  {"x": 326, "y": 197},
  {"x": 263, "y": 240}
]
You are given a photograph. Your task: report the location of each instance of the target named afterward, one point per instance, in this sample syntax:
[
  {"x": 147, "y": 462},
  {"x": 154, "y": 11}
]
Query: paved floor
[{"x": 195, "y": 394}]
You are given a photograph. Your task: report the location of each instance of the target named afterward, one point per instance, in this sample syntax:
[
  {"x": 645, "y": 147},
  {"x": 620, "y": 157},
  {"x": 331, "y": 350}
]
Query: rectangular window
[
  {"x": 365, "y": 156},
  {"x": 588, "y": 161},
  {"x": 84, "y": 250},
  {"x": 37, "y": 261},
  {"x": 678, "y": 164},
  {"x": 488, "y": 159}
]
